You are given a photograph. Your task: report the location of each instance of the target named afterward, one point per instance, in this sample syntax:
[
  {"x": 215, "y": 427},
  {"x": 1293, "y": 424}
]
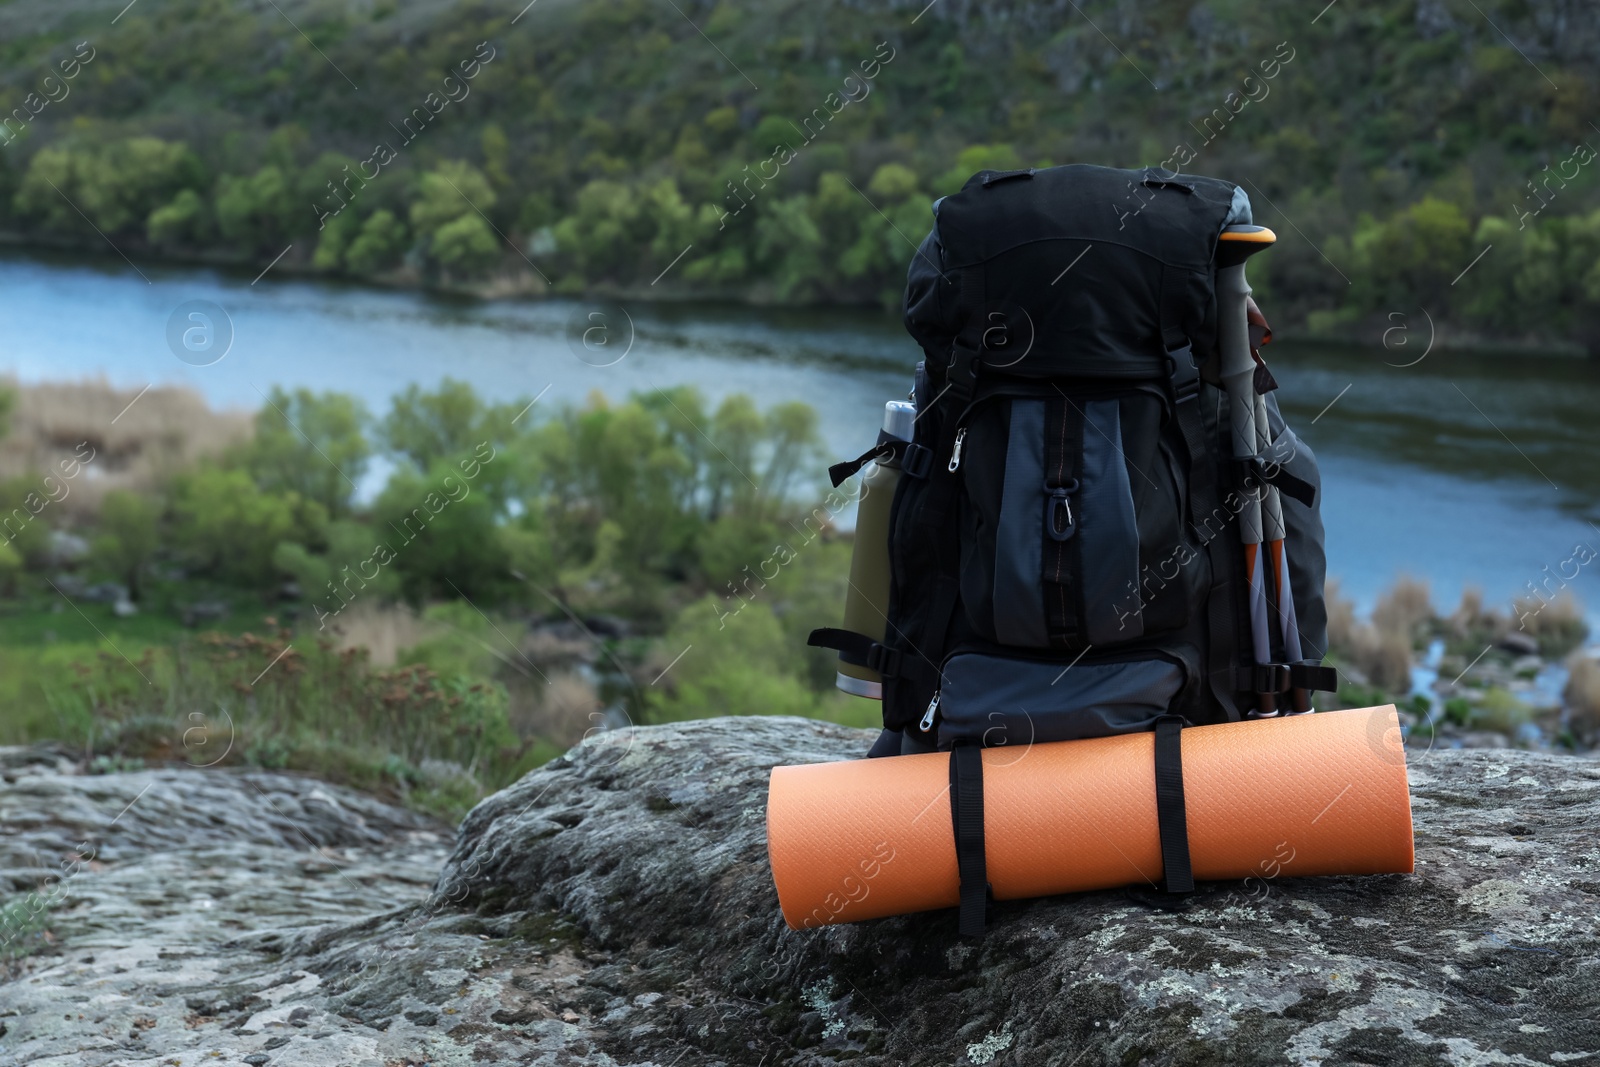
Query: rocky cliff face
[{"x": 615, "y": 907}]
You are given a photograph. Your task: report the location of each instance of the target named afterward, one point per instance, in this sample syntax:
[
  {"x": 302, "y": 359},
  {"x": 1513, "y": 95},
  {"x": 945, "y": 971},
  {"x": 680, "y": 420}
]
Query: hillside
[{"x": 784, "y": 151}]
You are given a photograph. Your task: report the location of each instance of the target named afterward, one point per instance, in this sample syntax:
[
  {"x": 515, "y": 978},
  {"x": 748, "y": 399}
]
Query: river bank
[{"x": 1403, "y": 339}]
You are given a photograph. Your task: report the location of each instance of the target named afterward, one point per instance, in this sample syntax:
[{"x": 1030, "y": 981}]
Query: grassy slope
[{"x": 1382, "y": 102}]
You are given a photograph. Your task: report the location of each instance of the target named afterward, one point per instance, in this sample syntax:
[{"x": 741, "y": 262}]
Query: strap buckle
[
  {"x": 884, "y": 660},
  {"x": 1313, "y": 676},
  {"x": 1272, "y": 678},
  {"x": 1185, "y": 374},
  {"x": 917, "y": 461}
]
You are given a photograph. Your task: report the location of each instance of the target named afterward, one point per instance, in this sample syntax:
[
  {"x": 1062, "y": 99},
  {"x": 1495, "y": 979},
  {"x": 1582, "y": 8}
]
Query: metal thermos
[{"x": 866, "y": 603}]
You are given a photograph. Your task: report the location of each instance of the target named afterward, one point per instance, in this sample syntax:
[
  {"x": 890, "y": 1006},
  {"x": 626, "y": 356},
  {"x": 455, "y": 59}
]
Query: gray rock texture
[{"x": 615, "y": 907}]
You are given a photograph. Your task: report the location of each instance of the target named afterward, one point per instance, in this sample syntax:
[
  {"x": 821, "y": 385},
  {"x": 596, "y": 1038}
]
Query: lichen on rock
[{"x": 615, "y": 907}]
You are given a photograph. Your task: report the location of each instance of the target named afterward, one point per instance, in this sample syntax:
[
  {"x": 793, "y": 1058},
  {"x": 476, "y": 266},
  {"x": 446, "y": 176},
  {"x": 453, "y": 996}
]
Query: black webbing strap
[
  {"x": 1265, "y": 467},
  {"x": 1262, "y": 678},
  {"x": 1307, "y": 675},
  {"x": 888, "y": 446},
  {"x": 966, "y": 816},
  {"x": 1171, "y": 815},
  {"x": 852, "y": 647},
  {"x": 1174, "y": 302},
  {"x": 1282, "y": 677},
  {"x": 864, "y": 651},
  {"x": 1222, "y": 605},
  {"x": 1204, "y": 511}
]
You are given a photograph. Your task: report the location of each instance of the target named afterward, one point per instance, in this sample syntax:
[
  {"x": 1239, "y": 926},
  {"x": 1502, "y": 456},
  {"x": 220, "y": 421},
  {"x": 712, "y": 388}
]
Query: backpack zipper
[
  {"x": 927, "y": 718},
  {"x": 1110, "y": 388}
]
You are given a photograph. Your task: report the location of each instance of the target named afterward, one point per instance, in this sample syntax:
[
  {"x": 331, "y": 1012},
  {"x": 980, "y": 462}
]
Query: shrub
[
  {"x": 281, "y": 701},
  {"x": 1582, "y": 697},
  {"x": 1501, "y": 712},
  {"x": 128, "y": 537},
  {"x": 1557, "y": 624},
  {"x": 230, "y": 527},
  {"x": 1380, "y": 650},
  {"x": 1404, "y": 607},
  {"x": 727, "y": 657},
  {"x": 1458, "y": 710}
]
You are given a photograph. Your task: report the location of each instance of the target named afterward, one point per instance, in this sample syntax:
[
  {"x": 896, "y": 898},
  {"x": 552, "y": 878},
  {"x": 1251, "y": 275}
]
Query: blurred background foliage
[
  {"x": 522, "y": 580},
  {"x": 594, "y": 143},
  {"x": 516, "y": 583}
]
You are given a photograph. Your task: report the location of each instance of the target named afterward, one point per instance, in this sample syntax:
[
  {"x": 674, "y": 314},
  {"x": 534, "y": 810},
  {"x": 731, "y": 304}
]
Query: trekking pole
[
  {"x": 1278, "y": 561},
  {"x": 1235, "y": 245}
]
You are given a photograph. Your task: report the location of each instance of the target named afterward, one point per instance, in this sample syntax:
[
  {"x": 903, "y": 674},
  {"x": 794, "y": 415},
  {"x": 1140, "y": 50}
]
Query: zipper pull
[
  {"x": 927, "y": 719},
  {"x": 955, "y": 453}
]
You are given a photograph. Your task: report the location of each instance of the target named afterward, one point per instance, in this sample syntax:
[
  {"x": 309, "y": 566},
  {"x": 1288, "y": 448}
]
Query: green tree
[
  {"x": 738, "y": 661},
  {"x": 466, "y": 246},
  {"x": 446, "y": 198},
  {"x": 311, "y": 444},
  {"x": 184, "y": 220},
  {"x": 128, "y": 537},
  {"x": 1519, "y": 281},
  {"x": 10, "y": 567},
  {"x": 497, "y": 156},
  {"x": 605, "y": 466},
  {"x": 997, "y": 157},
  {"x": 604, "y": 231},
  {"x": 378, "y": 245},
  {"x": 1411, "y": 257},
  {"x": 116, "y": 184},
  {"x": 230, "y": 527},
  {"x": 427, "y": 427},
  {"x": 441, "y": 528},
  {"x": 23, "y": 523},
  {"x": 353, "y": 564},
  {"x": 788, "y": 248},
  {"x": 259, "y": 212},
  {"x": 334, "y": 241}
]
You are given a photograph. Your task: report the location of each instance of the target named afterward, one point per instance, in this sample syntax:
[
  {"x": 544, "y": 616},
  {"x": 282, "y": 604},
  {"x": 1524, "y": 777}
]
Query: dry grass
[
  {"x": 1341, "y": 618},
  {"x": 1557, "y": 624},
  {"x": 546, "y": 647},
  {"x": 561, "y": 710},
  {"x": 382, "y": 629},
  {"x": 1471, "y": 618},
  {"x": 1406, "y": 605},
  {"x": 135, "y": 448},
  {"x": 1582, "y": 697},
  {"x": 1379, "y": 650}
]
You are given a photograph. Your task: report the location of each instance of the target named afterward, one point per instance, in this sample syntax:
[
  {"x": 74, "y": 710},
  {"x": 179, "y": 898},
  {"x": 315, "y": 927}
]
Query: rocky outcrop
[{"x": 616, "y": 907}]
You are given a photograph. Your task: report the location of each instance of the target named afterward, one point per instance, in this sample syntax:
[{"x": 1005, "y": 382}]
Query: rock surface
[{"x": 615, "y": 907}]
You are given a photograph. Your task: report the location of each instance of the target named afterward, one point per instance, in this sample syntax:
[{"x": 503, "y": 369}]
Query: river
[{"x": 1464, "y": 469}]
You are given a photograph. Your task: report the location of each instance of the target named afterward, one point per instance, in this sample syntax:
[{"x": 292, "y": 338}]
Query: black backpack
[{"x": 1064, "y": 561}]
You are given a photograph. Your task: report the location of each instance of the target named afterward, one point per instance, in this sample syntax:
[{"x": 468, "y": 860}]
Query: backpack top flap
[{"x": 1075, "y": 271}]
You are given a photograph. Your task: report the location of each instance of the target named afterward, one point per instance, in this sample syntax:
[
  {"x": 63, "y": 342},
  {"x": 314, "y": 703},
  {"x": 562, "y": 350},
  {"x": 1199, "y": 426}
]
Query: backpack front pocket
[
  {"x": 1066, "y": 500},
  {"x": 995, "y": 700}
]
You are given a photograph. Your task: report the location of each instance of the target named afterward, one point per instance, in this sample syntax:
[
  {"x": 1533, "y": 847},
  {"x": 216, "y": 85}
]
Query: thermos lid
[{"x": 898, "y": 417}]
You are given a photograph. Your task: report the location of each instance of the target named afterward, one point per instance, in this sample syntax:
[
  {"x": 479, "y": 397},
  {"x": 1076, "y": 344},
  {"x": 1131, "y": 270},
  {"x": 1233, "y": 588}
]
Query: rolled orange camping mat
[{"x": 1303, "y": 795}]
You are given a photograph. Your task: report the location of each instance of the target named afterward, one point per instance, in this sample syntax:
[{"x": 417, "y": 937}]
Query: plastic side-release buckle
[{"x": 1185, "y": 374}]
